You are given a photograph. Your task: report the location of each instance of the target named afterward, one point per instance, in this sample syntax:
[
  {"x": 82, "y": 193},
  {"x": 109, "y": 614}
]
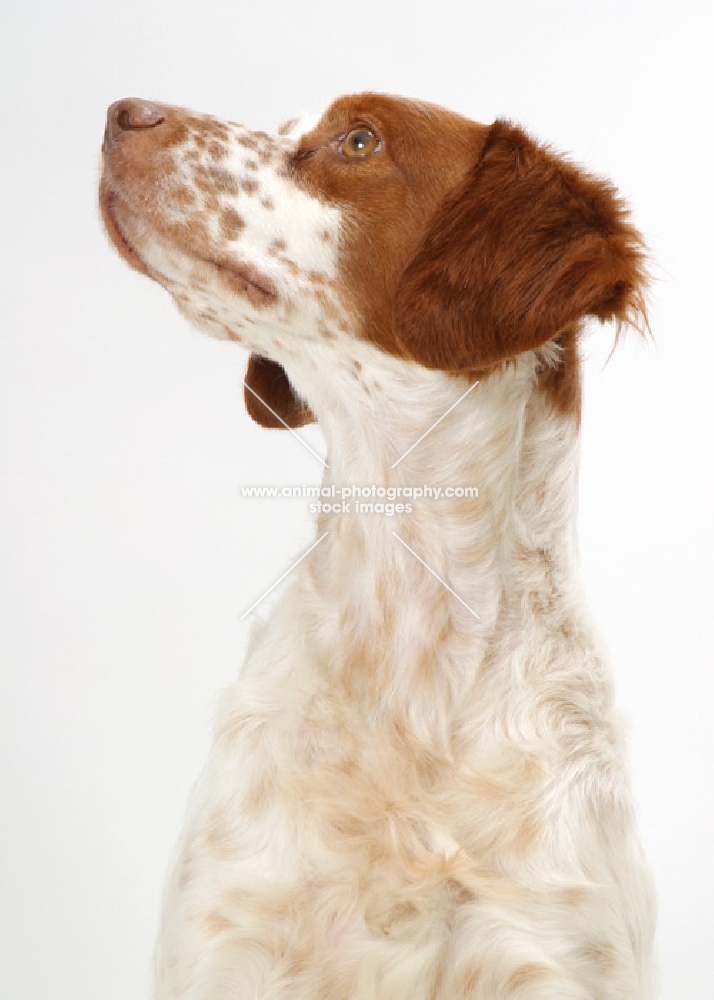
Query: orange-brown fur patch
[{"x": 465, "y": 245}]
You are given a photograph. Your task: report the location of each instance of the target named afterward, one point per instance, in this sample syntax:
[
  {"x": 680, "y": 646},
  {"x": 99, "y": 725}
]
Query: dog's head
[{"x": 439, "y": 241}]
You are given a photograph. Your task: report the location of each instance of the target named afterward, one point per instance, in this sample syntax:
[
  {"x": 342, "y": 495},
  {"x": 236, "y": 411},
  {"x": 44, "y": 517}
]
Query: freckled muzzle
[{"x": 166, "y": 192}]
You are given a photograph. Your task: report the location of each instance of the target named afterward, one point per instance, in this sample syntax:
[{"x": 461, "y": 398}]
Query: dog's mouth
[
  {"x": 239, "y": 277},
  {"x": 246, "y": 280},
  {"x": 116, "y": 233}
]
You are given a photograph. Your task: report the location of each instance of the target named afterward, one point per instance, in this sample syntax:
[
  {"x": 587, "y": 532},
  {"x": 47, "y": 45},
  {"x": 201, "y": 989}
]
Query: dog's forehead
[{"x": 389, "y": 110}]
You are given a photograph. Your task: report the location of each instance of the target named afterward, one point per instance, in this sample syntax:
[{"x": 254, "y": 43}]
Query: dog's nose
[{"x": 128, "y": 115}]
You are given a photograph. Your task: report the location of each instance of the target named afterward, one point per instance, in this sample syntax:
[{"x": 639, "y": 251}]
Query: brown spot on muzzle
[
  {"x": 216, "y": 150},
  {"x": 222, "y": 181},
  {"x": 232, "y": 225}
]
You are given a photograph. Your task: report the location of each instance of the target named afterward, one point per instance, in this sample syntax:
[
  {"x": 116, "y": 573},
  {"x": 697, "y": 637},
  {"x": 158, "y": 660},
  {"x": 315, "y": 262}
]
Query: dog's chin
[
  {"x": 112, "y": 211},
  {"x": 208, "y": 322},
  {"x": 238, "y": 277}
]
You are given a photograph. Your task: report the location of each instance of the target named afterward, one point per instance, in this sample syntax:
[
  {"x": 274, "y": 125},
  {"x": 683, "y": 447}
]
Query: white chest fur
[{"x": 405, "y": 800}]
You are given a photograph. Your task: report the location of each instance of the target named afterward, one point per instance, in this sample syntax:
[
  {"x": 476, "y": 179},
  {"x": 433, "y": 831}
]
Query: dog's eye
[{"x": 360, "y": 141}]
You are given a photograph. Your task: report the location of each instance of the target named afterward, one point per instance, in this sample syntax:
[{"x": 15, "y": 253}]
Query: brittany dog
[{"x": 417, "y": 788}]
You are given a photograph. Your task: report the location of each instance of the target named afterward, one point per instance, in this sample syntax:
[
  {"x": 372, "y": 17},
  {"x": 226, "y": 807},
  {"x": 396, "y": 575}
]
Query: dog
[{"x": 418, "y": 788}]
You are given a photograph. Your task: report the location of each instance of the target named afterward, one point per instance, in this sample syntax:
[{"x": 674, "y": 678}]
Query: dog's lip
[
  {"x": 259, "y": 289},
  {"x": 117, "y": 233}
]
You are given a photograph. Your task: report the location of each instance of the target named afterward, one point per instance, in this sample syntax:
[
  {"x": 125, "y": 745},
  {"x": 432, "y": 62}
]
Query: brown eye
[{"x": 361, "y": 141}]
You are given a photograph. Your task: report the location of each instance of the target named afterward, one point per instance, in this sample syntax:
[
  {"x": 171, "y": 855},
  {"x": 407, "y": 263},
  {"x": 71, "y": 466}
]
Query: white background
[{"x": 127, "y": 554}]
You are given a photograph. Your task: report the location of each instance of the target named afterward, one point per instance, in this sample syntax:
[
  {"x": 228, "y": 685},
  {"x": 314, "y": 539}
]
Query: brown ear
[
  {"x": 270, "y": 398},
  {"x": 524, "y": 247}
]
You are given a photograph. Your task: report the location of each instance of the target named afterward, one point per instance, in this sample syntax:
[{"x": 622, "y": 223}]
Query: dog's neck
[{"x": 383, "y": 625}]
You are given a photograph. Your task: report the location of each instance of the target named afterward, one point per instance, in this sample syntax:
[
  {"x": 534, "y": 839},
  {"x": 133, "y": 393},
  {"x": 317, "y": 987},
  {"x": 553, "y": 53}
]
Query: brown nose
[{"x": 128, "y": 115}]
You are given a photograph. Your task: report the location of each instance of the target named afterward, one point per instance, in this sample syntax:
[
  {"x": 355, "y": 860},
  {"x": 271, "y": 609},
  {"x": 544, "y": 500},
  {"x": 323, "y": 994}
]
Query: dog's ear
[
  {"x": 523, "y": 248},
  {"x": 270, "y": 398}
]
